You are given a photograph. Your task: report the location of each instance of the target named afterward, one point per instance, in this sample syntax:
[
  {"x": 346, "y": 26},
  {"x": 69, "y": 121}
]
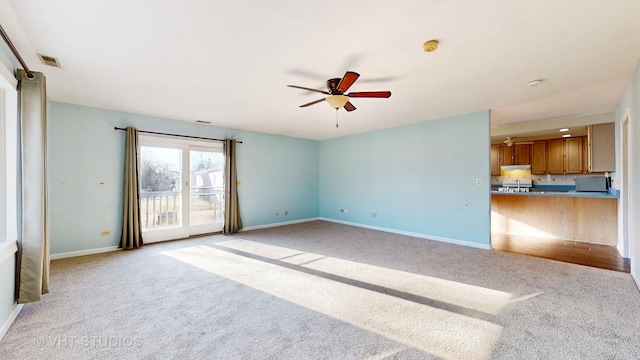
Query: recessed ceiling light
[
  {"x": 535, "y": 82},
  {"x": 566, "y": 135},
  {"x": 564, "y": 130},
  {"x": 430, "y": 46}
]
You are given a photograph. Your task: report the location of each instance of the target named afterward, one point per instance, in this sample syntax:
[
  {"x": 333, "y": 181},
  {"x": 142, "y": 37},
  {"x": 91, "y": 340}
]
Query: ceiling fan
[
  {"x": 510, "y": 142},
  {"x": 336, "y": 89}
]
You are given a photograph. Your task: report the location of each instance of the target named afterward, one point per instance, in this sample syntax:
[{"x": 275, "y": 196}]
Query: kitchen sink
[{"x": 543, "y": 191}]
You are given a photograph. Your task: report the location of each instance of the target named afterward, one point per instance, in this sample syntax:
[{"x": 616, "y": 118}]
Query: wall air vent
[
  {"x": 203, "y": 122},
  {"x": 49, "y": 60}
]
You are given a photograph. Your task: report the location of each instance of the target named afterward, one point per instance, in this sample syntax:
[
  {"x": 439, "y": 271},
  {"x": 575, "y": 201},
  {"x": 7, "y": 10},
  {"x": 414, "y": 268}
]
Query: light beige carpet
[{"x": 320, "y": 290}]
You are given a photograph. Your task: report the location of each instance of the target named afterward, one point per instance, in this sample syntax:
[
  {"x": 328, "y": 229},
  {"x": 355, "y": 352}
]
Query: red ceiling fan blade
[
  {"x": 311, "y": 103},
  {"x": 370, "y": 94},
  {"x": 309, "y": 89},
  {"x": 347, "y": 80},
  {"x": 349, "y": 106}
]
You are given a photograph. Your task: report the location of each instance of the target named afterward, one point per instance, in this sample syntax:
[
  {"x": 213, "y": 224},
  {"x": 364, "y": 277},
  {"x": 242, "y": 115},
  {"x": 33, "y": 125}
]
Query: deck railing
[{"x": 163, "y": 208}]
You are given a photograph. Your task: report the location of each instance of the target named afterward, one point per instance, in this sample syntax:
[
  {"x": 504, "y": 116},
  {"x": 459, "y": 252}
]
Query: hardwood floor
[{"x": 600, "y": 256}]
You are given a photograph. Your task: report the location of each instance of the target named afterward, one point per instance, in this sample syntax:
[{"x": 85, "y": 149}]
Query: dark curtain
[
  {"x": 131, "y": 224},
  {"x": 232, "y": 221}
]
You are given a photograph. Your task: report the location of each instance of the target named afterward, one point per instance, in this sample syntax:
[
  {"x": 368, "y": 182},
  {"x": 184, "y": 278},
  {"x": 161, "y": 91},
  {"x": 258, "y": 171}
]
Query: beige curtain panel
[
  {"x": 131, "y": 225},
  {"x": 232, "y": 221},
  {"x": 32, "y": 268}
]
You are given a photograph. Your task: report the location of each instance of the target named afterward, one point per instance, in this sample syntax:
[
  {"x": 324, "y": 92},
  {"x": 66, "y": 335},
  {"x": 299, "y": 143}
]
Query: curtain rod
[
  {"x": 15, "y": 52},
  {"x": 176, "y": 135}
]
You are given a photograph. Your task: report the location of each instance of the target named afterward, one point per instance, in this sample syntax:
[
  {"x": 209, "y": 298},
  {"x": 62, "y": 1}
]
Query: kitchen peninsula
[{"x": 589, "y": 217}]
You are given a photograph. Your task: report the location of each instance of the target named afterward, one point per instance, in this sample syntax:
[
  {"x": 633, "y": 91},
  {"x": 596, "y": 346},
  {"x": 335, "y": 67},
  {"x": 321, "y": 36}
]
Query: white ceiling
[{"x": 229, "y": 62}]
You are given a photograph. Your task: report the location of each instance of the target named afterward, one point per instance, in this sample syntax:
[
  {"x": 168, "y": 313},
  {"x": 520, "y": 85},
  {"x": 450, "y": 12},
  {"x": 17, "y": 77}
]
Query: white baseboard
[
  {"x": 84, "y": 252},
  {"x": 636, "y": 280},
  {"x": 249, "y": 228},
  {"x": 7, "y": 324},
  {"x": 412, "y": 234}
]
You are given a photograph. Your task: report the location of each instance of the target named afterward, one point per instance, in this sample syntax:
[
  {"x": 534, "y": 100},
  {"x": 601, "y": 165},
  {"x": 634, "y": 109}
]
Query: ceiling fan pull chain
[{"x": 336, "y": 117}]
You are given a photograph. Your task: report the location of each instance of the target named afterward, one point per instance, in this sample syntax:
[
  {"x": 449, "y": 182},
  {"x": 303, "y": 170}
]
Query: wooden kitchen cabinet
[
  {"x": 565, "y": 156},
  {"x": 574, "y": 163},
  {"x": 555, "y": 156},
  {"x": 522, "y": 154},
  {"x": 601, "y": 148},
  {"x": 539, "y": 157},
  {"x": 507, "y": 155},
  {"x": 495, "y": 160}
]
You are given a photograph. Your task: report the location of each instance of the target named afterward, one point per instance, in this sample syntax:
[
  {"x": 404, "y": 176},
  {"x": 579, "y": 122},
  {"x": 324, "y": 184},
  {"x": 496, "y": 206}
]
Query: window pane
[
  {"x": 160, "y": 187},
  {"x": 206, "y": 186}
]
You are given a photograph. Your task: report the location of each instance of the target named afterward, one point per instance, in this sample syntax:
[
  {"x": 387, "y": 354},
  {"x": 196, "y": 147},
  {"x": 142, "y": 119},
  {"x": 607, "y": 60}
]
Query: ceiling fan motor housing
[{"x": 332, "y": 86}]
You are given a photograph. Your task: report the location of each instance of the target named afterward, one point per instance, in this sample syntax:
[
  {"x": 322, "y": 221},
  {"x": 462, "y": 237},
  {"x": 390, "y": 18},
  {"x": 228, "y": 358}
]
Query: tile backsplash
[{"x": 536, "y": 179}]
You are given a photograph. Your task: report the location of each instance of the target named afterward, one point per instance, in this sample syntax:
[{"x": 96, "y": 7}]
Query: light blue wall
[
  {"x": 278, "y": 173},
  {"x": 7, "y": 58},
  {"x": 419, "y": 178}
]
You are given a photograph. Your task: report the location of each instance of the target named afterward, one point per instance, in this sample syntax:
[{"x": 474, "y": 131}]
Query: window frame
[{"x": 8, "y": 162}]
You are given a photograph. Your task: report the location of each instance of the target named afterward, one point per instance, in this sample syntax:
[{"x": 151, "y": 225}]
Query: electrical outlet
[
  {"x": 105, "y": 232},
  {"x": 477, "y": 181},
  {"x": 344, "y": 210}
]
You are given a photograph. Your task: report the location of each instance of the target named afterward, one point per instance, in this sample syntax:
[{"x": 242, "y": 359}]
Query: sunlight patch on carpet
[
  {"x": 439, "y": 332},
  {"x": 471, "y": 297}
]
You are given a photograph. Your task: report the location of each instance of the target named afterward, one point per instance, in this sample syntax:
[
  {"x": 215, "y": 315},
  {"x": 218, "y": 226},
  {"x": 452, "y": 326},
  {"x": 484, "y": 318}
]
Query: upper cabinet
[
  {"x": 495, "y": 160},
  {"x": 517, "y": 154},
  {"x": 601, "y": 148},
  {"x": 574, "y": 163},
  {"x": 507, "y": 155},
  {"x": 555, "y": 156},
  {"x": 522, "y": 154},
  {"x": 539, "y": 157},
  {"x": 591, "y": 149}
]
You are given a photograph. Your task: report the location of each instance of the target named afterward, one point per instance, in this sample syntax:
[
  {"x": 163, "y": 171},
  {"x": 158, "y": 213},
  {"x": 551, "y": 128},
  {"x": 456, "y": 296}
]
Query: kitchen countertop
[{"x": 556, "y": 193}]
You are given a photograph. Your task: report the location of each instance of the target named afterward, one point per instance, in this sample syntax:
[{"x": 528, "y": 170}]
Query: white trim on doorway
[{"x": 624, "y": 200}]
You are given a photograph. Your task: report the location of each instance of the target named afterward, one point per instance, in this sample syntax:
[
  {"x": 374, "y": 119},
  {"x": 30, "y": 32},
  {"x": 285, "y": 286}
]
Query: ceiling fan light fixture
[
  {"x": 337, "y": 101},
  {"x": 509, "y": 141},
  {"x": 430, "y": 46}
]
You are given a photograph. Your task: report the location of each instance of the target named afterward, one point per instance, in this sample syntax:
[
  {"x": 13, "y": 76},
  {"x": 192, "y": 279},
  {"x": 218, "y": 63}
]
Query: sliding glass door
[
  {"x": 181, "y": 188},
  {"x": 206, "y": 189}
]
